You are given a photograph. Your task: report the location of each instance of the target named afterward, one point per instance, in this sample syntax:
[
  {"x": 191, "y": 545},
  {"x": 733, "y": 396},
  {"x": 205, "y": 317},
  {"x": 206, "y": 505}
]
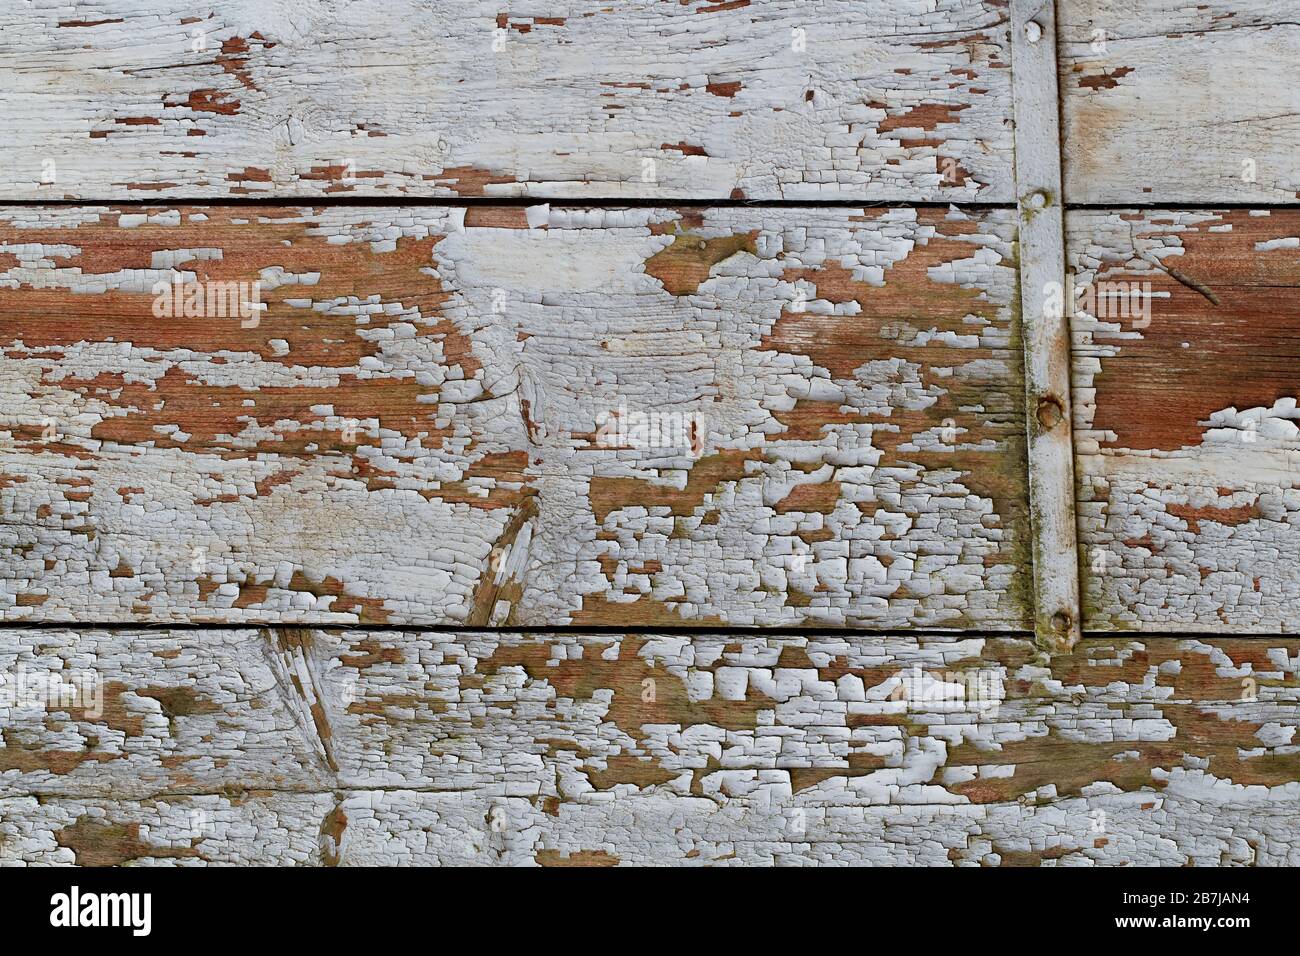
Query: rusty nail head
[{"x": 1050, "y": 411}]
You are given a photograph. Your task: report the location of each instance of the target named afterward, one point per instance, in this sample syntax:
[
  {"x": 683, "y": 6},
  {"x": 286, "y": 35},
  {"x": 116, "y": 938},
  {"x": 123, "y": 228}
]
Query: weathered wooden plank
[
  {"x": 897, "y": 101},
  {"x": 1179, "y": 827},
  {"x": 1196, "y": 826},
  {"x": 257, "y": 828},
  {"x": 508, "y": 747},
  {"x": 502, "y": 415},
  {"x": 1185, "y": 373},
  {"x": 134, "y": 714},
  {"x": 1167, "y": 101},
  {"x": 891, "y": 100},
  {"x": 1045, "y": 331},
  {"x": 845, "y": 720}
]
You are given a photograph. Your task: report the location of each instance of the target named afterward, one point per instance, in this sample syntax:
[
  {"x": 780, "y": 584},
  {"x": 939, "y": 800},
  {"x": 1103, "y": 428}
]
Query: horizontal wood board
[
  {"x": 702, "y": 100},
  {"x": 535, "y": 416},
  {"x": 303, "y": 746}
]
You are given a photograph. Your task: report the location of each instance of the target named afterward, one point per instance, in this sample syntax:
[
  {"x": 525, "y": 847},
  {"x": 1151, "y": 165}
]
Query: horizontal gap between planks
[
  {"x": 609, "y": 629},
  {"x": 509, "y": 201},
  {"x": 1193, "y": 635},
  {"x": 272, "y": 202},
  {"x": 723, "y": 630},
  {"x": 1179, "y": 206}
]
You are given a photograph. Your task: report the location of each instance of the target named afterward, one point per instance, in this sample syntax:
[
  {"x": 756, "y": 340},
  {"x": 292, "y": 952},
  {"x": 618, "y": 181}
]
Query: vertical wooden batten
[{"x": 1045, "y": 306}]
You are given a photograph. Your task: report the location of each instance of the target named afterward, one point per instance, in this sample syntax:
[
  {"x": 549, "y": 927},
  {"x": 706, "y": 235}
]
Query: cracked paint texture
[
  {"x": 1144, "y": 115},
  {"x": 1186, "y": 421},
  {"x": 616, "y": 458},
  {"x": 571, "y": 748},
  {"x": 438, "y": 421},
  {"x": 152, "y": 98}
]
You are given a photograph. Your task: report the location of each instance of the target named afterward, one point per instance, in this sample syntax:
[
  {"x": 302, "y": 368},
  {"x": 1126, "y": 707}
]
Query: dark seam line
[
  {"x": 724, "y": 630},
  {"x": 398, "y": 202},
  {"x": 1208, "y": 206},
  {"x": 1192, "y": 635},
  {"x": 606, "y": 629},
  {"x": 512, "y": 201}
]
